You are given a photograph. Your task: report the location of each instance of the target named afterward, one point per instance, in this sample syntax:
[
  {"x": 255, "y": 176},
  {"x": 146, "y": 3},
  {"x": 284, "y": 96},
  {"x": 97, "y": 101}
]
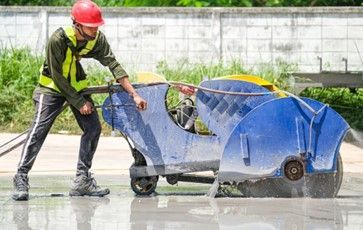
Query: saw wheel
[{"x": 321, "y": 185}]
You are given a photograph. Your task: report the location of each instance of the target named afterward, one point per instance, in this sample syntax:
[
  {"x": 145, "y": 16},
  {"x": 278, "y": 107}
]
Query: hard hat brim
[{"x": 96, "y": 24}]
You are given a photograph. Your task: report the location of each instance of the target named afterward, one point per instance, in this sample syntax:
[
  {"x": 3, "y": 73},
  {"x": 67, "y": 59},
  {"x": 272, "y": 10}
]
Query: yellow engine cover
[{"x": 254, "y": 79}]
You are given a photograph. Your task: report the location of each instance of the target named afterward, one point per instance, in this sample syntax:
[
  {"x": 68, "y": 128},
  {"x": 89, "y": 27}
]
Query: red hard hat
[{"x": 87, "y": 13}]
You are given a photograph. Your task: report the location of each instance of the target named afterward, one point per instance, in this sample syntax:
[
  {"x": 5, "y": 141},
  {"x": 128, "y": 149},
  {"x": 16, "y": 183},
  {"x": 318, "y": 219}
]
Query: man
[{"x": 61, "y": 80}]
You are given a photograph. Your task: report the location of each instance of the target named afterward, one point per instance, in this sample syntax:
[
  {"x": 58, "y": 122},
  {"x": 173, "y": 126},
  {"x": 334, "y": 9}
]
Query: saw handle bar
[
  {"x": 117, "y": 88},
  {"x": 172, "y": 83}
]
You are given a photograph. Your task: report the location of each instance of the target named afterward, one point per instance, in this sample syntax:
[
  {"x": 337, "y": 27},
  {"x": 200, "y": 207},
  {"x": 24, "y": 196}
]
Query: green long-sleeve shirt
[{"x": 55, "y": 55}]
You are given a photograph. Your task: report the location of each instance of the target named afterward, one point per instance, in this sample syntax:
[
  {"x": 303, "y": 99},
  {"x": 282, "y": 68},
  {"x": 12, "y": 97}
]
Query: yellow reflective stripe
[
  {"x": 48, "y": 82},
  {"x": 67, "y": 63},
  {"x": 81, "y": 85},
  {"x": 73, "y": 73},
  {"x": 89, "y": 46},
  {"x": 70, "y": 34}
]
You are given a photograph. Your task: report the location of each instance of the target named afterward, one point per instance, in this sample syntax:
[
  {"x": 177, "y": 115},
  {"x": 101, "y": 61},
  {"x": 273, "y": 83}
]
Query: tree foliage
[{"x": 190, "y": 3}]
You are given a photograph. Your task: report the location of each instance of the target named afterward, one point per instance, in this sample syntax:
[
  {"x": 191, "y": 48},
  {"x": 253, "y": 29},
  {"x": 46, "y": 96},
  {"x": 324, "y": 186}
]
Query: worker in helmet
[{"x": 61, "y": 80}]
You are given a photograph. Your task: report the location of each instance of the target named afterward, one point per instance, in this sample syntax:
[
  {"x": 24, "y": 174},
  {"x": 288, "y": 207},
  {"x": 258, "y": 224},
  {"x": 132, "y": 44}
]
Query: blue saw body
[{"x": 254, "y": 137}]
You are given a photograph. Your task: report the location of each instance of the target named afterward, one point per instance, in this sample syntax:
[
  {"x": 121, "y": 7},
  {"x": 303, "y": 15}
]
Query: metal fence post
[
  {"x": 43, "y": 15},
  {"x": 216, "y": 33}
]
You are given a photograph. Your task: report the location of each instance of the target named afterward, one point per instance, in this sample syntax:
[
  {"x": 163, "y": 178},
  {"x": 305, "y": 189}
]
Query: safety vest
[{"x": 69, "y": 64}]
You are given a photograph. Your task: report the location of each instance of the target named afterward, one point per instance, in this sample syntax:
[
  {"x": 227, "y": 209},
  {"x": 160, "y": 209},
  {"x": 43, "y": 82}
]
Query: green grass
[{"x": 19, "y": 70}]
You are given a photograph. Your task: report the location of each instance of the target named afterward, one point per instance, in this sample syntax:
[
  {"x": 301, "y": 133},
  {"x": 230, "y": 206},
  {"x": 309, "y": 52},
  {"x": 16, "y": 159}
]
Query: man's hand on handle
[
  {"x": 188, "y": 90},
  {"x": 141, "y": 104},
  {"x": 86, "y": 109}
]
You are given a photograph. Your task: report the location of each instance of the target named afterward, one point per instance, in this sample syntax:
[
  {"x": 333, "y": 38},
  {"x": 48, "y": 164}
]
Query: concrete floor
[{"x": 173, "y": 207}]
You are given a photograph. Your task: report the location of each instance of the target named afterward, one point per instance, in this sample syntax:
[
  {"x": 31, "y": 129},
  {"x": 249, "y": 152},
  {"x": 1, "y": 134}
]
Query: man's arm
[
  {"x": 104, "y": 55},
  {"x": 139, "y": 101}
]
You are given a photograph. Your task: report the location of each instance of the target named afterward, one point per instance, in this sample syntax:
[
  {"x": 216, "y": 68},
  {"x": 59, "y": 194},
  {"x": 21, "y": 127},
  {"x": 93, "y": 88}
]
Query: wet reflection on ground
[
  {"x": 183, "y": 210},
  {"x": 84, "y": 210},
  {"x": 173, "y": 212}
]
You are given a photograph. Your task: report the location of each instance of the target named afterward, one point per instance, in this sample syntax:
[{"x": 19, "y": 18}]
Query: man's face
[{"x": 91, "y": 32}]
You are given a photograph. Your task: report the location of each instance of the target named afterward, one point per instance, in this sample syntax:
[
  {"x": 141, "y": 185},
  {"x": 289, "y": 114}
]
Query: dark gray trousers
[{"x": 47, "y": 108}]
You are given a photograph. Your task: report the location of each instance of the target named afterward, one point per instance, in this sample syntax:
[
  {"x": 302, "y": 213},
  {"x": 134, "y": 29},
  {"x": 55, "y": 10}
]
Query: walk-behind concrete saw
[{"x": 264, "y": 141}]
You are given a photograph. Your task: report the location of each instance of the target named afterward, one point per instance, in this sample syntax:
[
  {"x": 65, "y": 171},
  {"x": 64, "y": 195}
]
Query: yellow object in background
[
  {"x": 253, "y": 79},
  {"x": 149, "y": 77}
]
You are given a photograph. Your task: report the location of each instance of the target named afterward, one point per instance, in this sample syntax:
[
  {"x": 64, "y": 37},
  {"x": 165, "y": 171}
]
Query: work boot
[
  {"x": 21, "y": 187},
  {"x": 86, "y": 185}
]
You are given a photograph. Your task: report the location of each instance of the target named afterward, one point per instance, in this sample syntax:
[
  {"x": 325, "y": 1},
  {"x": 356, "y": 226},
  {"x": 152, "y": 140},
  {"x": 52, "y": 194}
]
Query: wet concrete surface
[
  {"x": 170, "y": 212},
  {"x": 173, "y": 207}
]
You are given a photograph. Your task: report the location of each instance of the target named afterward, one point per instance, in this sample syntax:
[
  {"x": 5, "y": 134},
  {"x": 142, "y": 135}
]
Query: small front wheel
[{"x": 144, "y": 186}]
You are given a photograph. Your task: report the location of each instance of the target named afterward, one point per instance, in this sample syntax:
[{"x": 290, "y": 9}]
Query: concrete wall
[{"x": 140, "y": 37}]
